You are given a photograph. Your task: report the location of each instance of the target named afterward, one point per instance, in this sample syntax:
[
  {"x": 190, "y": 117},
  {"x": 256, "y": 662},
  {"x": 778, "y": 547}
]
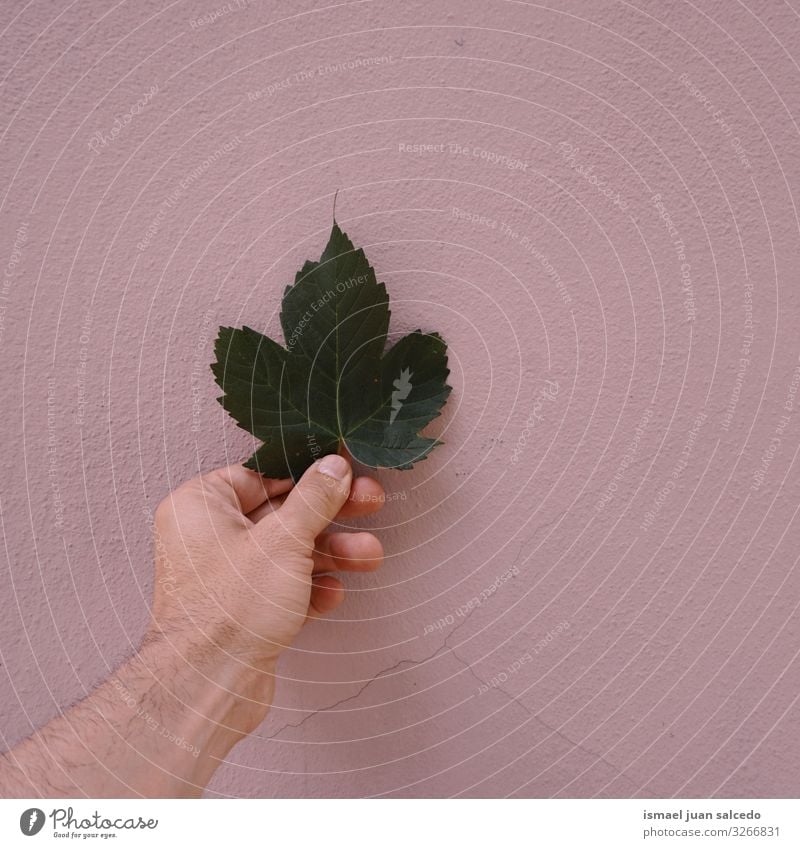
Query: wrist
[
  {"x": 211, "y": 677},
  {"x": 207, "y": 699}
]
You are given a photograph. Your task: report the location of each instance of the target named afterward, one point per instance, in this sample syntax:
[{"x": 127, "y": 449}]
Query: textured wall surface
[{"x": 593, "y": 587}]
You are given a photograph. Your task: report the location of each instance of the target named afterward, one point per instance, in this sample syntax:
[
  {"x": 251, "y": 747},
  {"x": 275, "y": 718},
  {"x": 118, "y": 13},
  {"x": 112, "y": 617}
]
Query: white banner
[{"x": 403, "y": 823}]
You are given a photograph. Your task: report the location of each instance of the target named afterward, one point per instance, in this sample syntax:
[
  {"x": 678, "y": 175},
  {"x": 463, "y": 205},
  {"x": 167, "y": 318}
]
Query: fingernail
[{"x": 333, "y": 466}]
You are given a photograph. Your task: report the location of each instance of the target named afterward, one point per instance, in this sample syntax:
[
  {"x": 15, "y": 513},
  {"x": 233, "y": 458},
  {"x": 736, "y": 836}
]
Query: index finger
[
  {"x": 366, "y": 496},
  {"x": 248, "y": 488}
]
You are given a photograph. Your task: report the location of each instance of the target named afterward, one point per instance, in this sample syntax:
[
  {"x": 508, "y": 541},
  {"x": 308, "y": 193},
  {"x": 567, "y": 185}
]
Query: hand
[
  {"x": 241, "y": 565},
  {"x": 242, "y": 562}
]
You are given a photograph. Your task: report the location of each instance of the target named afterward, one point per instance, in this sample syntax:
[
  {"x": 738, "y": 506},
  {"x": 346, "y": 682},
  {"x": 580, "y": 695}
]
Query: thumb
[{"x": 321, "y": 492}]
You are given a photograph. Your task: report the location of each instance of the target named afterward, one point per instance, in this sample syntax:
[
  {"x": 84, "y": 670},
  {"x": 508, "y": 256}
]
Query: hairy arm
[
  {"x": 159, "y": 727},
  {"x": 242, "y": 563}
]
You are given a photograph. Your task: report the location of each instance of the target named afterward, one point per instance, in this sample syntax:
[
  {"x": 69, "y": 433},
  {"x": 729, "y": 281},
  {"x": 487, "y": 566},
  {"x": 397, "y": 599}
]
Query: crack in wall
[
  {"x": 353, "y": 697},
  {"x": 382, "y": 673},
  {"x": 468, "y": 667}
]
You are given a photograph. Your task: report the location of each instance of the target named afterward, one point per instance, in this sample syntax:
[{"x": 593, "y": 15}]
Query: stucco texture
[{"x": 592, "y": 588}]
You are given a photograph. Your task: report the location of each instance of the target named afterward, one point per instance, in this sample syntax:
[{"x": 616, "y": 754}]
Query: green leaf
[{"x": 333, "y": 384}]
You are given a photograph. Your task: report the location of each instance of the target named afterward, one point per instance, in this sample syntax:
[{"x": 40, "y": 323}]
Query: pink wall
[{"x": 629, "y": 527}]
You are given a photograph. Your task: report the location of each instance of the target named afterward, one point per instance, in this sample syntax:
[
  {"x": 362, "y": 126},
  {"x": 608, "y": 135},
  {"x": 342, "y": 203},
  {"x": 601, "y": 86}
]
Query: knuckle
[{"x": 165, "y": 511}]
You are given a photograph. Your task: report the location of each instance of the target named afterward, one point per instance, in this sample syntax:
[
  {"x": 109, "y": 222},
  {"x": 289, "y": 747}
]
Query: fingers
[
  {"x": 347, "y": 552},
  {"x": 246, "y": 489},
  {"x": 366, "y": 496},
  {"x": 343, "y": 552},
  {"x": 327, "y": 593},
  {"x": 317, "y": 498}
]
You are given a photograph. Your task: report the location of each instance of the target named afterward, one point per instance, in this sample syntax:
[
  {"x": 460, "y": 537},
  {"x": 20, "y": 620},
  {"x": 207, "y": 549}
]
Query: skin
[{"x": 241, "y": 565}]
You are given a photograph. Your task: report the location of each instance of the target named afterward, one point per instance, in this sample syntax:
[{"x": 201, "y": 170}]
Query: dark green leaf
[{"x": 333, "y": 385}]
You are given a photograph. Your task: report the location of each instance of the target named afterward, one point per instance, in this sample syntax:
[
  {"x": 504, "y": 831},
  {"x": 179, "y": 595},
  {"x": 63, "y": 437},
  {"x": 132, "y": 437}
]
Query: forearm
[{"x": 158, "y": 727}]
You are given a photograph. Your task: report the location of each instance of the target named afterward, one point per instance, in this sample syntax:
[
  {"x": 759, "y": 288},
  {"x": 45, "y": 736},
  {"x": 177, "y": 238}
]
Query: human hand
[{"x": 243, "y": 562}]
